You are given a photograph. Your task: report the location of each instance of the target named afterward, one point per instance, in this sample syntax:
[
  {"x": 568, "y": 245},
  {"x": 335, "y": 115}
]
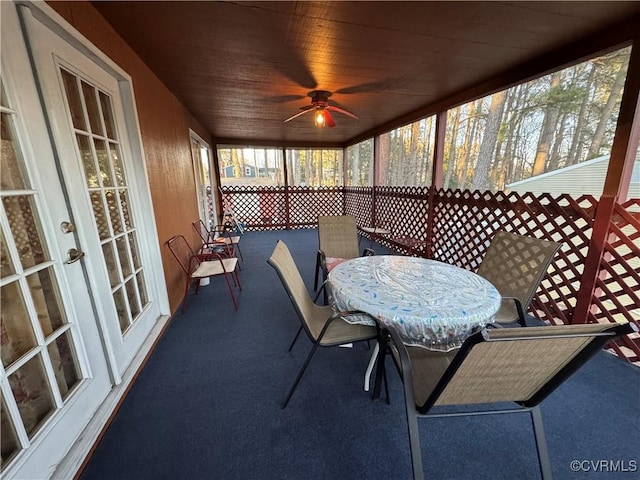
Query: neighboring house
[
  {"x": 586, "y": 178},
  {"x": 249, "y": 171}
]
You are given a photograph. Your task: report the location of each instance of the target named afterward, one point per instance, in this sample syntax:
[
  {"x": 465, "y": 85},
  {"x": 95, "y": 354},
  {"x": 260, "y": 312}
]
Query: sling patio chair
[
  {"x": 323, "y": 326},
  {"x": 337, "y": 242},
  {"x": 220, "y": 235},
  {"x": 493, "y": 366},
  {"x": 515, "y": 265},
  {"x": 197, "y": 266}
]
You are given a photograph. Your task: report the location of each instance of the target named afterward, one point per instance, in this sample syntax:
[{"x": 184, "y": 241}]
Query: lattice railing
[
  {"x": 273, "y": 208},
  {"x": 617, "y": 296},
  {"x": 457, "y": 226}
]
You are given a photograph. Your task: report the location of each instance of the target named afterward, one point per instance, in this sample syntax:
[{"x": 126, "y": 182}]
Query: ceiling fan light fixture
[{"x": 322, "y": 109}]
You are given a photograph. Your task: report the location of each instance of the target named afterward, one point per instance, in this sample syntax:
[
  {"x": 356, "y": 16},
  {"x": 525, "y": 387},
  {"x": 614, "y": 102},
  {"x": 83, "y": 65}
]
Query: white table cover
[{"x": 430, "y": 303}]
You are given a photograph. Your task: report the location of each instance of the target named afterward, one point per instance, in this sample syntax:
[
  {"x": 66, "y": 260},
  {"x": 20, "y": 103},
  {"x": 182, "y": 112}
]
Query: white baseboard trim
[{"x": 73, "y": 460}]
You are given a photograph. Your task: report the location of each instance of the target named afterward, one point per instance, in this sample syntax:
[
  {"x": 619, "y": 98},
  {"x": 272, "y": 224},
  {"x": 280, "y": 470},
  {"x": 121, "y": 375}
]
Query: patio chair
[
  {"x": 337, "y": 242},
  {"x": 198, "y": 266},
  {"x": 515, "y": 265},
  {"x": 220, "y": 235},
  {"x": 493, "y": 366},
  {"x": 323, "y": 327}
]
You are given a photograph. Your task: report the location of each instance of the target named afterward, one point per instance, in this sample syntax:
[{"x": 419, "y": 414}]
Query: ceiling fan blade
[
  {"x": 304, "y": 110},
  {"x": 328, "y": 119},
  {"x": 284, "y": 98},
  {"x": 342, "y": 110}
]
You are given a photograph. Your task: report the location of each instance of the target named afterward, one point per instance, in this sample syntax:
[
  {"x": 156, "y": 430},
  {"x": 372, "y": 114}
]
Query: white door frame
[
  {"x": 67, "y": 466},
  {"x": 119, "y": 354},
  {"x": 197, "y": 166}
]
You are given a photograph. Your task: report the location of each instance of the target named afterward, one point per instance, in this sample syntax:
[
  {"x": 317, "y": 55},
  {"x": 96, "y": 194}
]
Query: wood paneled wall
[{"x": 165, "y": 124}]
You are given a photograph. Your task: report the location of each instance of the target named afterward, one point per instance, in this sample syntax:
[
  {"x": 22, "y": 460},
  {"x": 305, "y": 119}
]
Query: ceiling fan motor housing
[{"x": 319, "y": 97}]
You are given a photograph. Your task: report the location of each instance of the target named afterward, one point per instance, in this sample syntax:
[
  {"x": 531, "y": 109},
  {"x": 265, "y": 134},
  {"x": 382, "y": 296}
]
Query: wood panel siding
[{"x": 164, "y": 125}]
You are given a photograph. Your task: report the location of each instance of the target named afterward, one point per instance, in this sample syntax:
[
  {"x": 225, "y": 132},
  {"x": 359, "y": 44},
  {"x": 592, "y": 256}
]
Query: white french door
[
  {"x": 201, "y": 156},
  {"x": 84, "y": 103},
  {"x": 80, "y": 269},
  {"x": 54, "y": 372}
]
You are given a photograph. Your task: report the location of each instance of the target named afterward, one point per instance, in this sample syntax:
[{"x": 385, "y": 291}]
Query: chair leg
[
  {"x": 301, "y": 373},
  {"x": 372, "y": 362},
  {"x": 186, "y": 293},
  {"x": 315, "y": 282},
  {"x": 521, "y": 318},
  {"x": 380, "y": 370},
  {"x": 237, "y": 245},
  {"x": 541, "y": 443},
  {"x": 233, "y": 297},
  {"x": 295, "y": 339},
  {"x": 414, "y": 444},
  {"x": 324, "y": 283},
  {"x": 322, "y": 287}
]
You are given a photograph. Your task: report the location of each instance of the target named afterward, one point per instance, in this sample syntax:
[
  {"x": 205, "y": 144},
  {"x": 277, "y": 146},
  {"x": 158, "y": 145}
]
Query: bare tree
[
  {"x": 488, "y": 146},
  {"x": 548, "y": 127},
  {"x": 612, "y": 101}
]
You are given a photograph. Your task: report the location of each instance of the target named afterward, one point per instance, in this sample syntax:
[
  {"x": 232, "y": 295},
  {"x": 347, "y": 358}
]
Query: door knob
[{"x": 74, "y": 255}]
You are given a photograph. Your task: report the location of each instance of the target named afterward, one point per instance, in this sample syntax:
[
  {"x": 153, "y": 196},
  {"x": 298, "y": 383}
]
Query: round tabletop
[{"x": 429, "y": 303}]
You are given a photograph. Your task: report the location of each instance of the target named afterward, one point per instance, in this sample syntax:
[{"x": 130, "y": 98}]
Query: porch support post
[
  {"x": 623, "y": 152},
  {"x": 286, "y": 190},
  {"x": 436, "y": 177},
  {"x": 438, "y": 149},
  {"x": 376, "y": 177},
  {"x": 344, "y": 180}
]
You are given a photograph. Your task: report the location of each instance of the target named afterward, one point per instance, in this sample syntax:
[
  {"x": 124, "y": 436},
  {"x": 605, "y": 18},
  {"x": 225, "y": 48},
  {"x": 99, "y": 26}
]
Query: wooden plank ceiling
[{"x": 242, "y": 68}]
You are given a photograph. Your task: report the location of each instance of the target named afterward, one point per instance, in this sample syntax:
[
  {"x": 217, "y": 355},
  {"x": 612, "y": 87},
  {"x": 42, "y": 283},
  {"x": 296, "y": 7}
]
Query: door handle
[{"x": 74, "y": 255}]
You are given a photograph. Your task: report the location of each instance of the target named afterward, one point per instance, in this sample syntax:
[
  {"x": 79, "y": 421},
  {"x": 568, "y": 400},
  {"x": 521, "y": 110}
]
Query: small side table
[{"x": 374, "y": 233}]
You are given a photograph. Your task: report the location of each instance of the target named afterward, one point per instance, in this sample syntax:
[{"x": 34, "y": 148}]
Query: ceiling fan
[{"x": 321, "y": 108}]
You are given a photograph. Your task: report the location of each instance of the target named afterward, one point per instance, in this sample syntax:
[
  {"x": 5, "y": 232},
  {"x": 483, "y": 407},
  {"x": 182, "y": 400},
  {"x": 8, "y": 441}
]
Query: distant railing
[{"x": 457, "y": 226}]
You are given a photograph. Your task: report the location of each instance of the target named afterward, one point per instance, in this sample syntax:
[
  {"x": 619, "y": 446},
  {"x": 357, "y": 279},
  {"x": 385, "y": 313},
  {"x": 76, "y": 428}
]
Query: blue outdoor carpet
[{"x": 207, "y": 404}]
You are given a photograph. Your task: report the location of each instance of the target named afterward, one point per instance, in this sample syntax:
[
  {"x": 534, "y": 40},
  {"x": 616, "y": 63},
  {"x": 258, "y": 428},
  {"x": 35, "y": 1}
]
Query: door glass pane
[
  {"x": 6, "y": 265},
  {"x": 7, "y": 434},
  {"x": 75, "y": 104},
  {"x": 46, "y": 300},
  {"x": 117, "y": 164},
  {"x": 142, "y": 289},
  {"x": 122, "y": 309},
  {"x": 17, "y": 334},
  {"x": 107, "y": 114},
  {"x": 25, "y": 230},
  {"x": 133, "y": 300},
  {"x": 92, "y": 108},
  {"x": 112, "y": 267},
  {"x": 124, "y": 257},
  {"x": 102, "y": 222},
  {"x": 12, "y": 178},
  {"x": 134, "y": 251},
  {"x": 64, "y": 363},
  {"x": 32, "y": 393},
  {"x": 90, "y": 172},
  {"x": 124, "y": 204},
  {"x": 114, "y": 213},
  {"x": 110, "y": 199},
  {"x": 103, "y": 163}
]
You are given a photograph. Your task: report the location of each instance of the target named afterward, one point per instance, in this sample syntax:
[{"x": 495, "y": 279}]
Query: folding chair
[
  {"x": 337, "y": 242},
  {"x": 199, "y": 266},
  {"x": 493, "y": 366},
  {"x": 516, "y": 265},
  {"x": 323, "y": 327},
  {"x": 220, "y": 236}
]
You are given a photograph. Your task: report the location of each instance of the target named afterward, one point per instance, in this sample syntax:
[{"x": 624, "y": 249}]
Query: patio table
[{"x": 430, "y": 304}]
